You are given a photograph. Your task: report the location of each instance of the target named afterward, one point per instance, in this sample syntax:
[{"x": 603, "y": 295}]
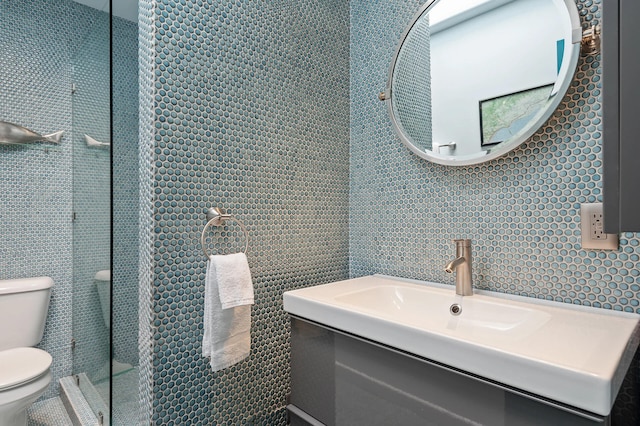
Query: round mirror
[{"x": 473, "y": 79}]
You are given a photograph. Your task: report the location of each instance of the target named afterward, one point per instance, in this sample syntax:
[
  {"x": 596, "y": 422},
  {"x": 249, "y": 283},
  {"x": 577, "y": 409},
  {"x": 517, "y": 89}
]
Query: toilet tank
[
  {"x": 103, "y": 284},
  {"x": 23, "y": 311}
]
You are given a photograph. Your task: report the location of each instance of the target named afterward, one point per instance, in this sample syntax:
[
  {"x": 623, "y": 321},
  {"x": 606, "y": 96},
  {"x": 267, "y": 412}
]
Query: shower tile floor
[
  {"x": 125, "y": 397},
  {"x": 49, "y": 412}
]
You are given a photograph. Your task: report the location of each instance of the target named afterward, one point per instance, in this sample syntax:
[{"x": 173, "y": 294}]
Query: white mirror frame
[{"x": 565, "y": 77}]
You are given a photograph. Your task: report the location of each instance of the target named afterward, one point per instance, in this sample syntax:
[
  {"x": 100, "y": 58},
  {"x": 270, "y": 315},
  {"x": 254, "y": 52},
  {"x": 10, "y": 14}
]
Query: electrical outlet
[
  {"x": 591, "y": 226},
  {"x": 596, "y": 226}
]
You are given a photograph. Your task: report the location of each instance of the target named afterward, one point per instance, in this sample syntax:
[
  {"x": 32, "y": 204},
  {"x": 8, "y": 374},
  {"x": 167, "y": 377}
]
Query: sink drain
[{"x": 455, "y": 309}]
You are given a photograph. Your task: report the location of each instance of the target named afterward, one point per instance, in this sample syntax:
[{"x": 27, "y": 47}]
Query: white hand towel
[
  {"x": 234, "y": 280},
  {"x": 227, "y": 332}
]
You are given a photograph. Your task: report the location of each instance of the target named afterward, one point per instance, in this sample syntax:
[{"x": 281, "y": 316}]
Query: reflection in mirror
[{"x": 472, "y": 79}]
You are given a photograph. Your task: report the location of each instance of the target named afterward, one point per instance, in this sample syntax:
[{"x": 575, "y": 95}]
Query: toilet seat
[{"x": 22, "y": 365}]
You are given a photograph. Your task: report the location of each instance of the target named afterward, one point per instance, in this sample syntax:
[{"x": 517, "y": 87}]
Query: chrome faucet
[{"x": 462, "y": 265}]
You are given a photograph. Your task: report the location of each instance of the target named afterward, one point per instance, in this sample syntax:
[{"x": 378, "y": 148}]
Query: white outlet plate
[{"x": 591, "y": 228}]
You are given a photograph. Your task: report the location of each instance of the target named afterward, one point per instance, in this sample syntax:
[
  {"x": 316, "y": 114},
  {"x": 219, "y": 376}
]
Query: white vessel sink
[{"x": 574, "y": 355}]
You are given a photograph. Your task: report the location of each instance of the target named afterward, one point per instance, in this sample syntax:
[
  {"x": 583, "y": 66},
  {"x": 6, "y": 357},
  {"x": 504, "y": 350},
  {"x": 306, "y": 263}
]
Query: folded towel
[
  {"x": 227, "y": 332},
  {"x": 234, "y": 280}
]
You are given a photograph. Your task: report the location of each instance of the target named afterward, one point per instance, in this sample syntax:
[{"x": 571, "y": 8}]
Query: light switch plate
[{"x": 591, "y": 227}]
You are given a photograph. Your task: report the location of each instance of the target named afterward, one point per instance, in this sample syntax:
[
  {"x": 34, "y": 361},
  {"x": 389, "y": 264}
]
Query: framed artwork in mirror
[{"x": 504, "y": 117}]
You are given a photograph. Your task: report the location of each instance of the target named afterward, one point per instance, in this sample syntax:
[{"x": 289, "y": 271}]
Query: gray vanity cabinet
[
  {"x": 621, "y": 120},
  {"x": 339, "y": 379}
]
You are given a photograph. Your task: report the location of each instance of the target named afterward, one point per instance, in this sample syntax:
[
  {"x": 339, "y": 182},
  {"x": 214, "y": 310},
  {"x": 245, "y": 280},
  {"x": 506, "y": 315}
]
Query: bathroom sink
[
  {"x": 574, "y": 355},
  {"x": 419, "y": 307}
]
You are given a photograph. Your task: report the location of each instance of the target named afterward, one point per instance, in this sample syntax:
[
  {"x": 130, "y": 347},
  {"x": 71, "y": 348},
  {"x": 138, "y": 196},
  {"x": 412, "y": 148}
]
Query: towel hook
[{"x": 217, "y": 217}]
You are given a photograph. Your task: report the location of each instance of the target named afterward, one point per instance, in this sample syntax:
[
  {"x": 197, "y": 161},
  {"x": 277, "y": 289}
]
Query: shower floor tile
[
  {"x": 126, "y": 403},
  {"x": 49, "y": 412}
]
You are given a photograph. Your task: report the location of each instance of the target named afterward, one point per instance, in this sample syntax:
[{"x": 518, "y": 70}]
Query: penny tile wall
[
  {"x": 91, "y": 197},
  {"x": 44, "y": 183},
  {"x": 250, "y": 112},
  {"x": 36, "y": 180},
  {"x": 125, "y": 190},
  {"x": 521, "y": 210}
]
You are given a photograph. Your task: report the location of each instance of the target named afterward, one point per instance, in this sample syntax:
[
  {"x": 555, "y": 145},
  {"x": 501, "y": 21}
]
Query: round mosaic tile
[{"x": 250, "y": 113}]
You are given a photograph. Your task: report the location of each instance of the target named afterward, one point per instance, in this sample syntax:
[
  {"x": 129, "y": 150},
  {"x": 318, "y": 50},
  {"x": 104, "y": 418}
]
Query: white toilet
[{"x": 24, "y": 370}]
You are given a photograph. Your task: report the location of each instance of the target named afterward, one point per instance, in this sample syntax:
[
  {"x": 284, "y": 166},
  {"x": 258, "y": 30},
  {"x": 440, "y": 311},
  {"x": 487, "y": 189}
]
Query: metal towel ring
[{"x": 216, "y": 217}]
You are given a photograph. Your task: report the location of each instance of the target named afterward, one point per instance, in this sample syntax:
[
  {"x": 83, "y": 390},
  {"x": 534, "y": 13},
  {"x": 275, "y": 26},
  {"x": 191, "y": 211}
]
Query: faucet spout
[
  {"x": 451, "y": 266},
  {"x": 462, "y": 266}
]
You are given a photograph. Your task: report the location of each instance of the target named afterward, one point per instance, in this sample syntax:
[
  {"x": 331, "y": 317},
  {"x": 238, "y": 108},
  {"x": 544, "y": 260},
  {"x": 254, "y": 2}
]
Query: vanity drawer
[{"x": 339, "y": 379}]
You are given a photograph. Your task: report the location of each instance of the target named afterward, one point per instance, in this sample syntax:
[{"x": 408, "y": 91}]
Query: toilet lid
[{"x": 21, "y": 365}]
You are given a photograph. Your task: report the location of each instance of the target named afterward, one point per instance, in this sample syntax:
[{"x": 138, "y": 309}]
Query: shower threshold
[
  {"x": 78, "y": 400},
  {"x": 84, "y": 401}
]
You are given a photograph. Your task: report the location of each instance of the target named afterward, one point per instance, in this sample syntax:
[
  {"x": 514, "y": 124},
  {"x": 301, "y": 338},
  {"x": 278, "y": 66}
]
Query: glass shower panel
[
  {"x": 124, "y": 57},
  {"x": 92, "y": 213},
  {"x": 55, "y": 199}
]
